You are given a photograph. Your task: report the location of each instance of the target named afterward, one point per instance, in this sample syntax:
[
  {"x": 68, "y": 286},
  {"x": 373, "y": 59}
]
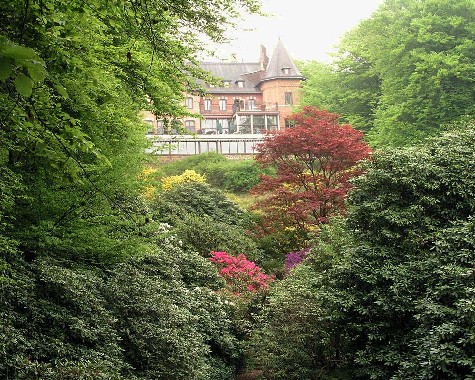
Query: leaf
[
  {"x": 24, "y": 85},
  {"x": 6, "y": 68},
  {"x": 20, "y": 53},
  {"x": 36, "y": 70},
  {"x": 61, "y": 91}
]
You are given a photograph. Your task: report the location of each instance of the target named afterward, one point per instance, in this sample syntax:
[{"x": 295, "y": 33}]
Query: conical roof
[{"x": 281, "y": 66}]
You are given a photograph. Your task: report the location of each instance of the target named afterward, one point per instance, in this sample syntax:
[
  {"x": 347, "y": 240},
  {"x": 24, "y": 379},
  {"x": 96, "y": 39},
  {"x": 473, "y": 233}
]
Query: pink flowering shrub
[{"x": 240, "y": 274}]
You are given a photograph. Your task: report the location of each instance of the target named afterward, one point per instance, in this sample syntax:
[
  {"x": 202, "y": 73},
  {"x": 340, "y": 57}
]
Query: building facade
[{"x": 252, "y": 98}]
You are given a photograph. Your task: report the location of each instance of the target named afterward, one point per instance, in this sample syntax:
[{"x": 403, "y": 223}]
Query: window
[
  {"x": 216, "y": 126},
  {"x": 289, "y": 98},
  {"x": 190, "y": 126},
  {"x": 222, "y": 104},
  {"x": 289, "y": 123},
  {"x": 160, "y": 127},
  {"x": 226, "y": 83},
  {"x": 286, "y": 70},
  {"x": 272, "y": 123},
  {"x": 251, "y": 104},
  {"x": 189, "y": 102},
  {"x": 244, "y": 123},
  {"x": 240, "y": 83},
  {"x": 258, "y": 124},
  {"x": 207, "y": 104}
]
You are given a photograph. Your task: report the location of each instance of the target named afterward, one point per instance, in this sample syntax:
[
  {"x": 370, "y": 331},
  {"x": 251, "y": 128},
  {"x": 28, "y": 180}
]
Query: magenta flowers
[
  {"x": 241, "y": 275},
  {"x": 294, "y": 258}
]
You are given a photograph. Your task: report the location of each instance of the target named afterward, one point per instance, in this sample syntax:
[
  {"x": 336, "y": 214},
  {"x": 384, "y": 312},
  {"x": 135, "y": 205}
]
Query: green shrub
[
  {"x": 238, "y": 176},
  {"x": 196, "y": 199},
  {"x": 198, "y": 163},
  {"x": 56, "y": 323},
  {"x": 296, "y": 337},
  {"x": 168, "y": 329},
  {"x": 155, "y": 315},
  {"x": 410, "y": 276},
  {"x": 227, "y": 174},
  {"x": 390, "y": 294},
  {"x": 206, "y": 220},
  {"x": 202, "y": 234}
]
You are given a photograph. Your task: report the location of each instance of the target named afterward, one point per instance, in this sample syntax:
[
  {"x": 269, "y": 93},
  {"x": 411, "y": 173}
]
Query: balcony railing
[
  {"x": 232, "y": 108},
  {"x": 186, "y": 145}
]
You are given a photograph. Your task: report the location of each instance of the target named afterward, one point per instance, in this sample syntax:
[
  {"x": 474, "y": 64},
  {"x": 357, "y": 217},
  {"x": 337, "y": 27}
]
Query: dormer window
[
  {"x": 226, "y": 83},
  {"x": 240, "y": 83},
  {"x": 286, "y": 70}
]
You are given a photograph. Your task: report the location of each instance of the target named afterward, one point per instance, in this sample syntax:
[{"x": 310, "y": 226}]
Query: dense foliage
[
  {"x": 156, "y": 316},
  {"x": 205, "y": 219},
  {"x": 89, "y": 288},
  {"x": 404, "y": 73},
  {"x": 102, "y": 278},
  {"x": 388, "y": 294}
]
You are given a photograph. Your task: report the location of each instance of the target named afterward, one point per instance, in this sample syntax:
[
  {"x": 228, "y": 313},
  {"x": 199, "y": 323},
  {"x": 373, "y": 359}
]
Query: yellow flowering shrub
[
  {"x": 187, "y": 176},
  {"x": 147, "y": 176},
  {"x": 147, "y": 172}
]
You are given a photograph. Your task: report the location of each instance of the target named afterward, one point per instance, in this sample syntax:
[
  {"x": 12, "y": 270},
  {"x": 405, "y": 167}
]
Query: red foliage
[{"x": 314, "y": 161}]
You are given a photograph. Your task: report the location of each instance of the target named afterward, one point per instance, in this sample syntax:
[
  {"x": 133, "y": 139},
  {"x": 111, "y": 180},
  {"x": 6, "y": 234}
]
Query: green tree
[
  {"x": 410, "y": 276},
  {"x": 349, "y": 87},
  {"x": 404, "y": 73},
  {"x": 298, "y": 335},
  {"x": 73, "y": 78}
]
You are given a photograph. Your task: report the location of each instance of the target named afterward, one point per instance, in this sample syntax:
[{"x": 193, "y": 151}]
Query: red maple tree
[{"x": 314, "y": 162}]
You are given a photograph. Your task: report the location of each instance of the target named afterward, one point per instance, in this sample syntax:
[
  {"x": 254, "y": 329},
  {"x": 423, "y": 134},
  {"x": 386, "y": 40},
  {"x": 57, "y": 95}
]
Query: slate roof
[
  {"x": 251, "y": 73},
  {"x": 280, "y": 59},
  {"x": 233, "y": 72}
]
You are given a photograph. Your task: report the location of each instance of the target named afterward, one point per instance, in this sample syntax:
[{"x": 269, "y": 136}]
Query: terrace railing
[{"x": 187, "y": 145}]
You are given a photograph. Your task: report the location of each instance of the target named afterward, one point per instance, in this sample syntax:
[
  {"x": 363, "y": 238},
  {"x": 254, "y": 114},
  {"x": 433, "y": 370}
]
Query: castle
[{"x": 252, "y": 98}]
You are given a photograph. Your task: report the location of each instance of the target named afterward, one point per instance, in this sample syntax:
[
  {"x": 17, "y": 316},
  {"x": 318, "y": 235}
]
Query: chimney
[{"x": 263, "y": 58}]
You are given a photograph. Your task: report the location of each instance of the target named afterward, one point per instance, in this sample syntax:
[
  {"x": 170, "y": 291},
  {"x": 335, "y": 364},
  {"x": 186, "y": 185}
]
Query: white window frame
[{"x": 222, "y": 104}]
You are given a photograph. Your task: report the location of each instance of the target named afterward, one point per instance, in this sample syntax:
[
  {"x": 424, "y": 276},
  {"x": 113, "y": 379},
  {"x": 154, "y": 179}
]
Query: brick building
[{"x": 252, "y": 98}]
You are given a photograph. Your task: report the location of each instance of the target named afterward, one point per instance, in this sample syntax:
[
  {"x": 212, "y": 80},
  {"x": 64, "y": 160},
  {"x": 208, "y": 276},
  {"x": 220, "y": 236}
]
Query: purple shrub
[{"x": 294, "y": 258}]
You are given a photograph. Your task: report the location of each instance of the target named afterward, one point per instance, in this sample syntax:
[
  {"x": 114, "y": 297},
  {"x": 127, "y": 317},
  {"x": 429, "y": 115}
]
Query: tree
[
  {"x": 349, "y": 87},
  {"x": 403, "y": 74},
  {"x": 297, "y": 336},
  {"x": 73, "y": 80},
  {"x": 314, "y": 163}
]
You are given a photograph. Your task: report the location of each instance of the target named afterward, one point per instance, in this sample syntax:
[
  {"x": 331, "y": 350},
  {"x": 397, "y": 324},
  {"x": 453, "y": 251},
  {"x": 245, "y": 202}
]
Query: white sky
[{"x": 309, "y": 29}]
